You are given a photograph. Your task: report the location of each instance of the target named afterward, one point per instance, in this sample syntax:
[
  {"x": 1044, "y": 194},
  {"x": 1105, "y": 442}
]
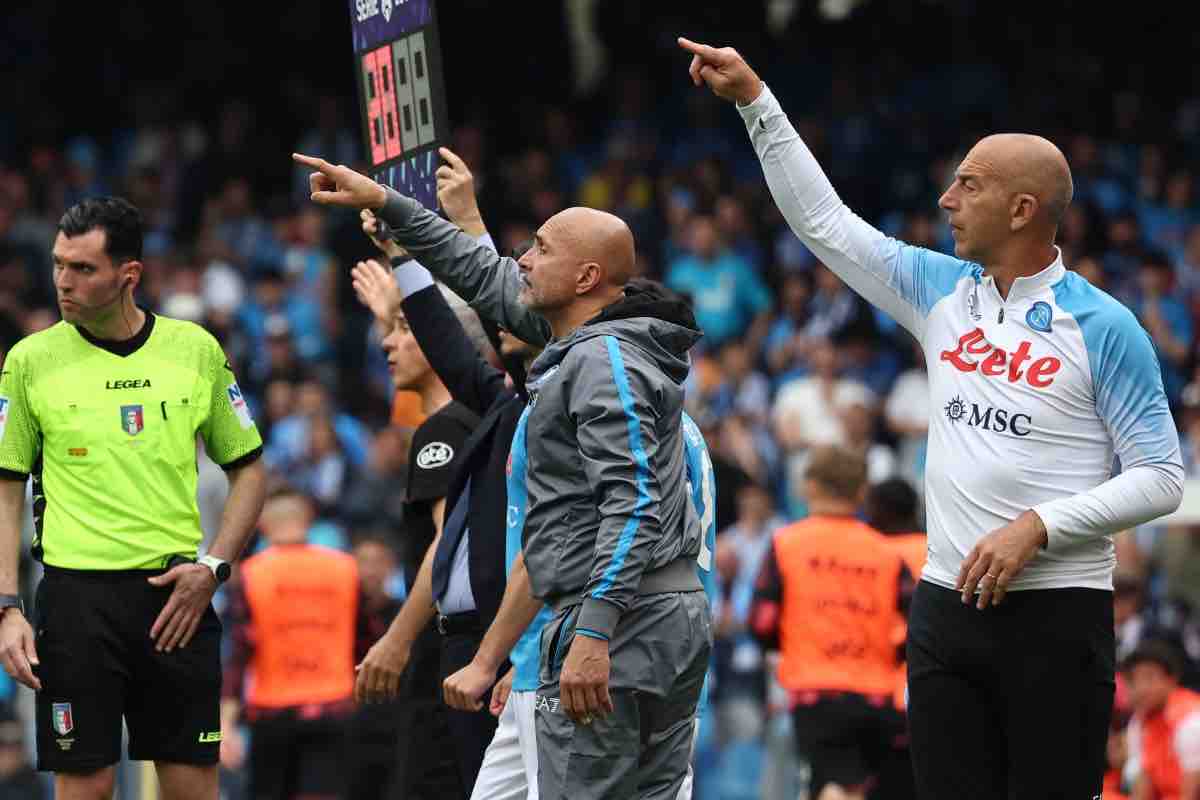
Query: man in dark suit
[{"x": 464, "y": 583}]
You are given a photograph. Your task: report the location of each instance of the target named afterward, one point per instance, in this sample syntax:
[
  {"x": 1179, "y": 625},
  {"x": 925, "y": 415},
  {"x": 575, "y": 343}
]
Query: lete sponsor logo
[{"x": 975, "y": 353}]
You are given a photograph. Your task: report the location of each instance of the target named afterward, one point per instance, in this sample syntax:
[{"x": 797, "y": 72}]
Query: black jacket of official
[{"x": 479, "y": 386}]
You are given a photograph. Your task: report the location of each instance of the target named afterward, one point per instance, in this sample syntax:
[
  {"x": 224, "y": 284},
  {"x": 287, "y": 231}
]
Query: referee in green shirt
[{"x": 103, "y": 410}]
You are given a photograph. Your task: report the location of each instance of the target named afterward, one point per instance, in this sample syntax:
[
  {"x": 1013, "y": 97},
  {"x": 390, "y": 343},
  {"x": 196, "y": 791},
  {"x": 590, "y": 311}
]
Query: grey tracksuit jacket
[{"x": 607, "y": 501}]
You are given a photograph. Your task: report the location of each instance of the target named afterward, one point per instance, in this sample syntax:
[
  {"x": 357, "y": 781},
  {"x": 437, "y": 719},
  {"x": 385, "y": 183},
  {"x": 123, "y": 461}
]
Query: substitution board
[{"x": 402, "y": 97}]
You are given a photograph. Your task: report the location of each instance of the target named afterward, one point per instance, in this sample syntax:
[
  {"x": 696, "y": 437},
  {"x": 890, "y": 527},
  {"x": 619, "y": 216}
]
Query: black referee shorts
[
  {"x": 1013, "y": 701},
  {"x": 98, "y": 664}
]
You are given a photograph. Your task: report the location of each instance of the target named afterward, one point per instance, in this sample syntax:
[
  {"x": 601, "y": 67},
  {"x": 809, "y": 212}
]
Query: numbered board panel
[{"x": 402, "y": 99}]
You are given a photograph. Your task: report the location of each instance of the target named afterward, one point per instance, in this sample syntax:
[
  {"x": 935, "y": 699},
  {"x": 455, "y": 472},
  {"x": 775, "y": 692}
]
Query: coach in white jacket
[{"x": 1037, "y": 380}]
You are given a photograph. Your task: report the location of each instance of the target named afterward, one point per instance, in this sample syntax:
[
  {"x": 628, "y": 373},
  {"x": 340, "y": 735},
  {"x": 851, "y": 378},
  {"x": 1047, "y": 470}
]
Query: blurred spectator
[
  {"x": 1166, "y": 223},
  {"x": 859, "y": 420},
  {"x": 18, "y": 780},
  {"x": 1080, "y": 232},
  {"x": 1128, "y": 600},
  {"x": 273, "y": 298},
  {"x": 806, "y": 409},
  {"x": 744, "y": 390},
  {"x": 376, "y": 493},
  {"x": 1123, "y": 255},
  {"x": 1166, "y": 317},
  {"x": 372, "y": 732},
  {"x": 735, "y": 229},
  {"x": 906, "y": 415},
  {"x": 291, "y": 669},
  {"x": 730, "y": 476},
  {"x": 831, "y": 597},
  {"x": 806, "y": 414},
  {"x": 1091, "y": 270},
  {"x": 892, "y": 507},
  {"x": 323, "y": 471},
  {"x": 1164, "y": 735},
  {"x": 240, "y": 228},
  {"x": 289, "y": 439},
  {"x": 1187, "y": 270},
  {"x": 730, "y": 300},
  {"x": 1189, "y": 427},
  {"x": 738, "y": 658},
  {"x": 836, "y": 310},
  {"x": 786, "y": 346},
  {"x": 748, "y": 446},
  {"x": 620, "y": 185}
]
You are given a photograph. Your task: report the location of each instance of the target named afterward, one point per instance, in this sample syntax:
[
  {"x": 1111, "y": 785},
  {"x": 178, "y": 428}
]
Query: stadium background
[{"x": 191, "y": 110}]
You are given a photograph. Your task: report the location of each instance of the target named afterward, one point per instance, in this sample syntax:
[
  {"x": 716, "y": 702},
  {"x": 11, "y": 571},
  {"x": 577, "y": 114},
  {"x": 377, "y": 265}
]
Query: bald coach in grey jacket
[{"x": 610, "y": 537}]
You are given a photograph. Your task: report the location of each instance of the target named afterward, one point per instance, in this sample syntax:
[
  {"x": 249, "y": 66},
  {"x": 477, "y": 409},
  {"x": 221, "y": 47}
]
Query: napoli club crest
[
  {"x": 133, "y": 421},
  {"x": 62, "y": 719},
  {"x": 1039, "y": 316}
]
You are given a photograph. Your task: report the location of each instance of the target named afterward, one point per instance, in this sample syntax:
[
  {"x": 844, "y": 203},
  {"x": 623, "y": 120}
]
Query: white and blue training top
[{"x": 1031, "y": 395}]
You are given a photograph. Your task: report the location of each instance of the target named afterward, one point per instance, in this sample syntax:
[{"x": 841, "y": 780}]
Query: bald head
[
  {"x": 1031, "y": 165},
  {"x": 599, "y": 237}
]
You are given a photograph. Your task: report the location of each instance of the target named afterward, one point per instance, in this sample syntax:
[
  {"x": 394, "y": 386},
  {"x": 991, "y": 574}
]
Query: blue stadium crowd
[{"x": 791, "y": 358}]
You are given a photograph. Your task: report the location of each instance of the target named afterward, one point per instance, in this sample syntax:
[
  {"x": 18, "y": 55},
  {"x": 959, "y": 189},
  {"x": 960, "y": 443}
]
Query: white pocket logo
[{"x": 435, "y": 454}]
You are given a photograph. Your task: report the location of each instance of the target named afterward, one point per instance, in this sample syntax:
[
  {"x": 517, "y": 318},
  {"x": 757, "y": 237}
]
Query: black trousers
[
  {"x": 1013, "y": 702},
  {"x": 472, "y": 731},
  {"x": 426, "y": 766},
  {"x": 293, "y": 756}
]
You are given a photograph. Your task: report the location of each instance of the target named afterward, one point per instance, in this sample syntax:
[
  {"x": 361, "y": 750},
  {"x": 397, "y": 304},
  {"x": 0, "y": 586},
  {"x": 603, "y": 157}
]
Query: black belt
[{"x": 457, "y": 624}]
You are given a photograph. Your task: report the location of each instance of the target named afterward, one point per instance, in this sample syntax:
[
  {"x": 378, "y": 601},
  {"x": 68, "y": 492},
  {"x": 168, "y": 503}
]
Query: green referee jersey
[{"x": 108, "y": 431}]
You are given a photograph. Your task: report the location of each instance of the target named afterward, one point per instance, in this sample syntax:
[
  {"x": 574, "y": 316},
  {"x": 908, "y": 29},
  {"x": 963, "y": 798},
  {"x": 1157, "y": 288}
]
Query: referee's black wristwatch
[{"x": 8, "y": 601}]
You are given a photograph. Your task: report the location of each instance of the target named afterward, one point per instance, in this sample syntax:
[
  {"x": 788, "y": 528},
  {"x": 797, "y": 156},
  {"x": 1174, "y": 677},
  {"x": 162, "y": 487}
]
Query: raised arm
[
  {"x": 904, "y": 281},
  {"x": 469, "y": 378},
  {"x": 481, "y": 276}
]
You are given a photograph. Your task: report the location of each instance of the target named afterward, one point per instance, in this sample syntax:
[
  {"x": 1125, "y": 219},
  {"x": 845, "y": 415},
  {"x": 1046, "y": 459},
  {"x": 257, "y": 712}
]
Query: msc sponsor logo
[
  {"x": 975, "y": 353},
  {"x": 998, "y": 420}
]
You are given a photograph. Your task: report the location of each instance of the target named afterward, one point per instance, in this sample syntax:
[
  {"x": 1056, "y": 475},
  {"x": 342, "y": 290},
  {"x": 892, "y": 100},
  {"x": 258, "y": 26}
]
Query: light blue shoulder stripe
[
  {"x": 641, "y": 465},
  {"x": 695, "y": 448},
  {"x": 923, "y": 277},
  {"x": 1125, "y": 372}
]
